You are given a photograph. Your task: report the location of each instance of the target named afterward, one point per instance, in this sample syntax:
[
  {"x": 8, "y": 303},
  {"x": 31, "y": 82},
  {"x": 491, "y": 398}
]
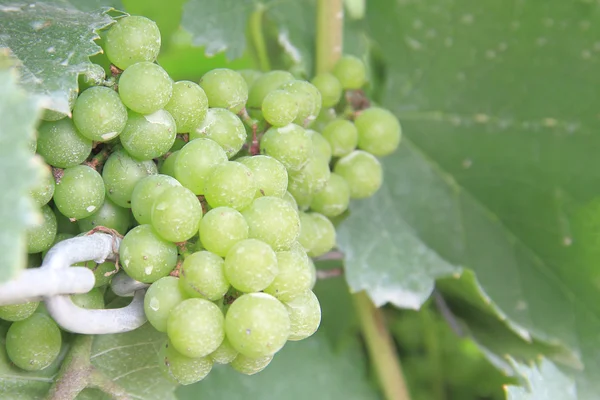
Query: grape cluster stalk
[{"x": 223, "y": 190}]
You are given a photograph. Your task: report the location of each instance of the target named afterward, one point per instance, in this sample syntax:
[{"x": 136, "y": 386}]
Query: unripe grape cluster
[{"x": 223, "y": 190}]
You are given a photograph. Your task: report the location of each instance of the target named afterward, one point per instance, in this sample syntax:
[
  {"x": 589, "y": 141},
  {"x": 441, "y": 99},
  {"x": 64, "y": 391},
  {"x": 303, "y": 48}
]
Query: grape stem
[
  {"x": 329, "y": 273},
  {"x": 253, "y": 125},
  {"x": 257, "y": 38},
  {"x": 98, "y": 160}
]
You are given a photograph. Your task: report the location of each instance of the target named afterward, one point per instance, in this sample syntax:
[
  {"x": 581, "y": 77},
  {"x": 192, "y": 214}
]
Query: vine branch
[{"x": 330, "y": 19}]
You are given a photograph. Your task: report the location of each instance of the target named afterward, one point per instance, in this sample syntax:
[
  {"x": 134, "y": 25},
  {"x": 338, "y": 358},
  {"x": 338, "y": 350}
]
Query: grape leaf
[
  {"x": 52, "y": 43},
  {"x": 497, "y": 172},
  {"x": 546, "y": 382},
  {"x": 18, "y": 113}
]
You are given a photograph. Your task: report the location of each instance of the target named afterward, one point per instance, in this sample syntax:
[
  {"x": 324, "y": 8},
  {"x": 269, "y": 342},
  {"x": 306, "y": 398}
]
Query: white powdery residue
[
  {"x": 51, "y": 49},
  {"x": 157, "y": 117},
  {"x": 109, "y": 135},
  {"x": 286, "y": 129},
  {"x": 413, "y": 43},
  {"x": 288, "y": 47},
  {"x": 90, "y": 208},
  {"x": 148, "y": 269},
  {"x": 9, "y": 9},
  {"x": 155, "y": 304}
]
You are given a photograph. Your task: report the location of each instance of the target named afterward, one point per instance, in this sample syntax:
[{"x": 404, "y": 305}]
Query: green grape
[
  {"x": 109, "y": 215},
  {"x": 280, "y": 107},
  {"x": 145, "y": 193},
  {"x": 121, "y": 173},
  {"x": 176, "y": 214},
  {"x": 196, "y": 327},
  {"x": 92, "y": 300},
  {"x": 225, "y": 88},
  {"x": 221, "y": 228},
  {"x": 363, "y": 173},
  {"x": 313, "y": 273},
  {"x": 182, "y": 369},
  {"x": 250, "y": 366},
  {"x": 103, "y": 272},
  {"x": 311, "y": 179},
  {"x": 351, "y": 72},
  {"x": 145, "y": 87},
  {"x": 379, "y": 131},
  {"x": 308, "y": 98},
  {"x": 64, "y": 224},
  {"x": 61, "y": 145},
  {"x": 168, "y": 165},
  {"x": 250, "y": 265},
  {"x": 294, "y": 277},
  {"x": 321, "y": 146},
  {"x": 188, "y": 105},
  {"x": 250, "y": 76},
  {"x": 41, "y": 235},
  {"x": 330, "y": 88},
  {"x": 94, "y": 75},
  {"x": 305, "y": 315},
  {"x": 273, "y": 221},
  {"x": 290, "y": 144},
  {"x": 145, "y": 256},
  {"x": 342, "y": 135},
  {"x": 269, "y": 174},
  {"x": 334, "y": 199},
  {"x": 43, "y": 191},
  {"x": 99, "y": 114},
  {"x": 131, "y": 40},
  {"x": 302, "y": 195},
  {"x": 291, "y": 200},
  {"x": 33, "y": 343},
  {"x": 224, "y": 354},
  {"x": 224, "y": 127},
  {"x": 317, "y": 234},
  {"x": 264, "y": 84},
  {"x": 230, "y": 185},
  {"x": 195, "y": 162},
  {"x": 148, "y": 136},
  {"x": 202, "y": 276},
  {"x": 80, "y": 192},
  {"x": 18, "y": 312},
  {"x": 257, "y": 325},
  {"x": 161, "y": 298}
]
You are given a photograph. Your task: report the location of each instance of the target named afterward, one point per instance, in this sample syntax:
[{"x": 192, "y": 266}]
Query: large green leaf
[
  {"x": 498, "y": 169},
  {"x": 52, "y": 44},
  {"x": 18, "y": 115}
]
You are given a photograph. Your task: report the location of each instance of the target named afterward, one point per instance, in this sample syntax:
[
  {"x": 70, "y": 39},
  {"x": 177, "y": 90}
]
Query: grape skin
[
  {"x": 250, "y": 265},
  {"x": 132, "y": 39},
  {"x": 33, "y": 343}
]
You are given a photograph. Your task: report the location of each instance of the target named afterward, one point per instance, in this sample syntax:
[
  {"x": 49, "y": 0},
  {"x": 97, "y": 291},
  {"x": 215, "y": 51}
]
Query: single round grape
[
  {"x": 224, "y": 354},
  {"x": 307, "y": 97},
  {"x": 274, "y": 221},
  {"x": 290, "y": 144},
  {"x": 351, "y": 72},
  {"x": 264, "y": 84},
  {"x": 305, "y": 315},
  {"x": 188, "y": 105},
  {"x": 168, "y": 165},
  {"x": 162, "y": 296},
  {"x": 121, "y": 173},
  {"x": 145, "y": 193},
  {"x": 61, "y": 145},
  {"x": 33, "y": 343},
  {"x": 225, "y": 88},
  {"x": 131, "y": 40},
  {"x": 250, "y": 265},
  {"x": 280, "y": 107},
  {"x": 311, "y": 179},
  {"x": 145, "y": 87},
  {"x": 182, "y": 369},
  {"x": 294, "y": 277},
  {"x": 43, "y": 191},
  {"x": 317, "y": 234},
  {"x": 109, "y": 215},
  {"x": 195, "y": 162},
  {"x": 334, "y": 199},
  {"x": 176, "y": 214},
  {"x": 379, "y": 131},
  {"x": 330, "y": 88},
  {"x": 363, "y": 173},
  {"x": 18, "y": 312},
  {"x": 270, "y": 175},
  {"x": 202, "y": 276},
  {"x": 80, "y": 192},
  {"x": 231, "y": 185},
  {"x": 145, "y": 256},
  {"x": 250, "y": 75},
  {"x": 224, "y": 127},
  {"x": 196, "y": 327},
  {"x": 291, "y": 200},
  {"x": 250, "y": 366},
  {"x": 99, "y": 114},
  {"x": 41, "y": 235},
  {"x": 342, "y": 135},
  {"x": 321, "y": 146},
  {"x": 148, "y": 136},
  {"x": 221, "y": 228},
  {"x": 92, "y": 300},
  {"x": 257, "y": 325}
]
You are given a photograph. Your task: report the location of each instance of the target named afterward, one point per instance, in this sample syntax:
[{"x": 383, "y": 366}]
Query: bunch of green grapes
[{"x": 223, "y": 190}]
